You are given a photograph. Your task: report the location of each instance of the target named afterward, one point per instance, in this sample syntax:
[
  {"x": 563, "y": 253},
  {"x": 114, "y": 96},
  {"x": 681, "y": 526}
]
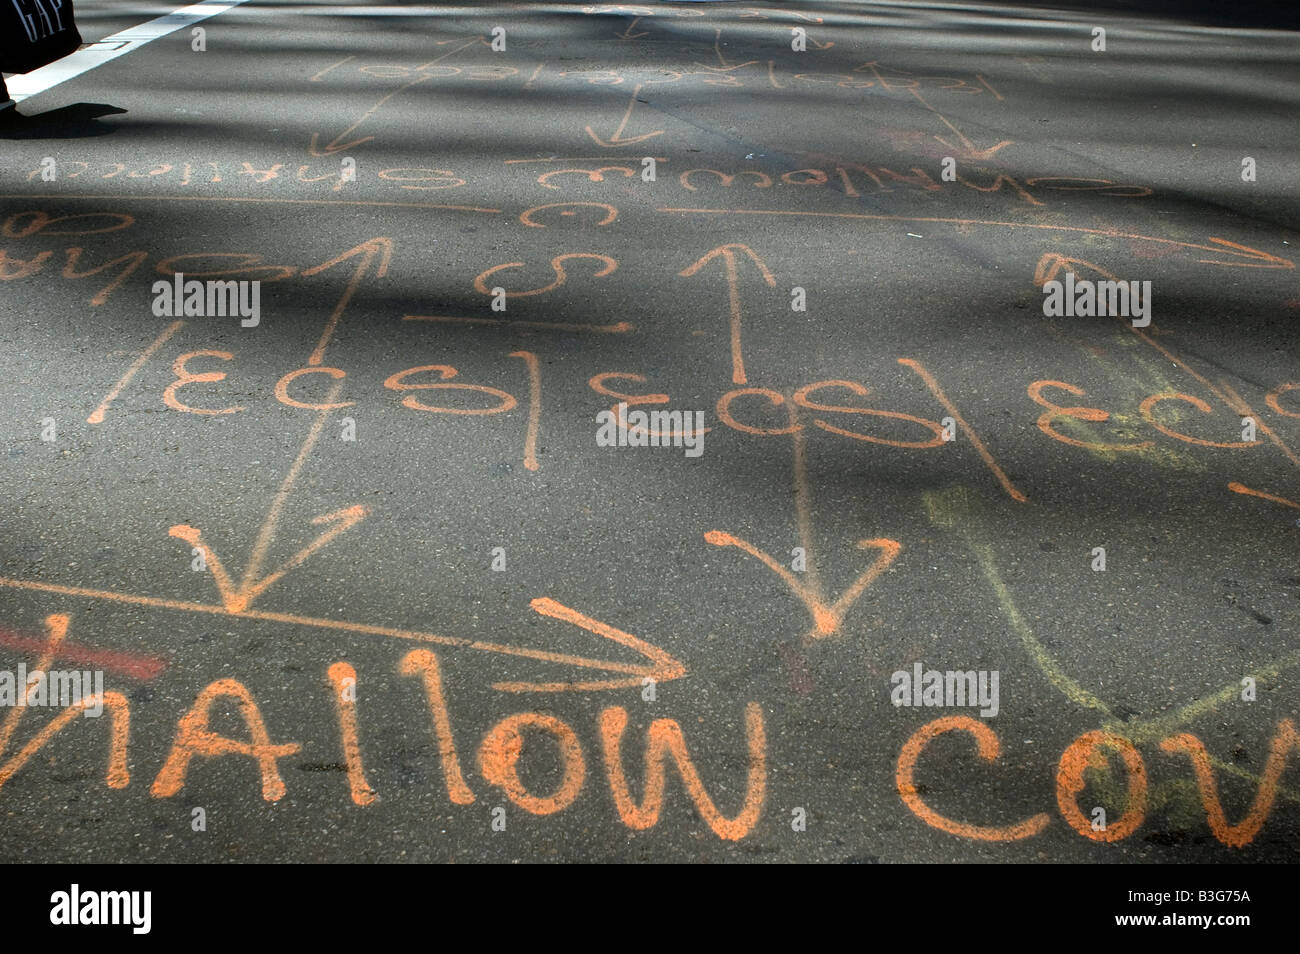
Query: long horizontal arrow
[{"x": 661, "y": 666}]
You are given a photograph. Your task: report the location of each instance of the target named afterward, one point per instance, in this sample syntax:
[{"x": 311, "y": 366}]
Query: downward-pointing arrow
[
  {"x": 965, "y": 149},
  {"x": 628, "y": 34},
  {"x": 725, "y": 67},
  {"x": 238, "y": 598},
  {"x": 618, "y": 139},
  {"x": 336, "y": 145},
  {"x": 827, "y": 616}
]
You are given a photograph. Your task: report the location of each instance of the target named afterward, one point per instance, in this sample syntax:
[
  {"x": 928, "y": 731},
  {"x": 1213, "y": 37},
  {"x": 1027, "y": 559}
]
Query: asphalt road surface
[{"x": 943, "y": 577}]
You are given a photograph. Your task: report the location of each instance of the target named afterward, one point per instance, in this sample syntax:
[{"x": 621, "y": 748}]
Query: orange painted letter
[
  {"x": 987, "y": 740},
  {"x": 1244, "y": 832},
  {"x": 193, "y": 737},
  {"x": 498, "y": 758},
  {"x": 665, "y": 738},
  {"x": 1084, "y": 753}
]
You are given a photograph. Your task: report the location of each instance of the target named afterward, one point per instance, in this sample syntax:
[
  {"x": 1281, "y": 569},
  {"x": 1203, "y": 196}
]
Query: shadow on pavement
[{"x": 75, "y": 121}]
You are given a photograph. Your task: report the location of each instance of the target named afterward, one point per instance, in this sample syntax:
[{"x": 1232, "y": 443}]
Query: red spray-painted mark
[{"x": 131, "y": 665}]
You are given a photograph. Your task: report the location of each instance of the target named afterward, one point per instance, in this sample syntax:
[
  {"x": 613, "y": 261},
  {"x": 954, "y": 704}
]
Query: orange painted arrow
[
  {"x": 378, "y": 249},
  {"x": 725, "y": 67},
  {"x": 661, "y": 666},
  {"x": 1255, "y": 258},
  {"x": 1051, "y": 264},
  {"x": 628, "y": 34},
  {"x": 239, "y": 598},
  {"x": 618, "y": 139},
  {"x": 729, "y": 254},
  {"x": 336, "y": 145},
  {"x": 966, "y": 149},
  {"x": 1237, "y": 488},
  {"x": 827, "y": 616}
]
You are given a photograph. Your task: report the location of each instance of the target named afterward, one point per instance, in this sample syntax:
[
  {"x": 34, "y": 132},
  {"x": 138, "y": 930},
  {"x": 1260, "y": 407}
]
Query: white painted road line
[{"x": 111, "y": 47}]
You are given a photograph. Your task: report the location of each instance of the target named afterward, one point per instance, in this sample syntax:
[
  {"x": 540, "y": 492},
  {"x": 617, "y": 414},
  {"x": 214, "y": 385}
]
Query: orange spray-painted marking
[
  {"x": 267, "y": 532},
  {"x": 396, "y": 382},
  {"x": 617, "y": 328},
  {"x": 118, "y": 708},
  {"x": 13, "y": 268},
  {"x": 618, "y": 139},
  {"x": 1093, "y": 414},
  {"x": 321, "y": 75},
  {"x": 526, "y": 216},
  {"x": 97, "y": 415},
  {"x": 1085, "y": 752},
  {"x": 664, "y": 739},
  {"x": 1244, "y": 832},
  {"x": 1011, "y": 489},
  {"x": 662, "y": 666},
  {"x": 184, "y": 377},
  {"x": 597, "y": 384},
  {"x": 534, "y": 406},
  {"x": 1237, "y": 488},
  {"x": 966, "y": 149},
  {"x": 282, "y": 389},
  {"x": 775, "y": 398},
  {"x": 1272, "y": 398},
  {"x": 729, "y": 254},
  {"x": 237, "y": 598},
  {"x": 1235, "y": 401},
  {"x": 608, "y": 265},
  {"x": 377, "y": 248},
  {"x": 132, "y": 261},
  {"x": 193, "y": 737},
  {"x": 422, "y": 663},
  {"x": 336, "y": 145},
  {"x": 57, "y": 624},
  {"x": 803, "y": 516},
  {"x": 1147, "y": 410},
  {"x": 504, "y": 744},
  {"x": 987, "y": 741},
  {"x": 344, "y": 679},
  {"x": 259, "y": 200},
  {"x": 802, "y": 398},
  {"x": 119, "y": 712},
  {"x": 42, "y": 221},
  {"x": 593, "y": 175},
  {"x": 827, "y": 619},
  {"x": 1253, "y": 257}
]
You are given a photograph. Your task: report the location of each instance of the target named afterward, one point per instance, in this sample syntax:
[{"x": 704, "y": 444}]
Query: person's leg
[{"x": 9, "y": 115}]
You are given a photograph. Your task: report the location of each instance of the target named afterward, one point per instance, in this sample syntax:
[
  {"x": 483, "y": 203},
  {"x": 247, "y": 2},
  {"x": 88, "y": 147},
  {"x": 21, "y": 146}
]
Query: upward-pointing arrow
[{"x": 730, "y": 254}]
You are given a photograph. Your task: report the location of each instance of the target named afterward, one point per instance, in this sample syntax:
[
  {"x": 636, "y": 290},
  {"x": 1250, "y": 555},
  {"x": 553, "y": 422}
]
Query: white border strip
[{"x": 111, "y": 47}]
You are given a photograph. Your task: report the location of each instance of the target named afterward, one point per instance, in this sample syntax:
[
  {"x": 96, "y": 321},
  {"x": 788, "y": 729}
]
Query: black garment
[{"x": 34, "y": 33}]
